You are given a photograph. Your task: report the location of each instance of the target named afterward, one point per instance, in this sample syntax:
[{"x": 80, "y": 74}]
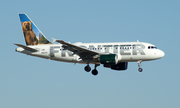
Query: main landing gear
[
  {"x": 88, "y": 69},
  {"x": 139, "y": 64}
]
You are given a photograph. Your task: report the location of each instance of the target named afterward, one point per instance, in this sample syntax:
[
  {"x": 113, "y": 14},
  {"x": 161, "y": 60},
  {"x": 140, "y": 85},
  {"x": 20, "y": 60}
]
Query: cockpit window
[{"x": 152, "y": 47}]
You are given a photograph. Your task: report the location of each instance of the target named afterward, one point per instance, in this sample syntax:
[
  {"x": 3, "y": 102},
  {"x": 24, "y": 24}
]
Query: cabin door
[{"x": 51, "y": 54}]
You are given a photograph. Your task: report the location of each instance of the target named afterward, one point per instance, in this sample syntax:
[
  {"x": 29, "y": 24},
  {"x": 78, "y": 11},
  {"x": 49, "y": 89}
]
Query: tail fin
[{"x": 32, "y": 35}]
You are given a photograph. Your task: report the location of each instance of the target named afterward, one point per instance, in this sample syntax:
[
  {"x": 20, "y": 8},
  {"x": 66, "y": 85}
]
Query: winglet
[{"x": 54, "y": 40}]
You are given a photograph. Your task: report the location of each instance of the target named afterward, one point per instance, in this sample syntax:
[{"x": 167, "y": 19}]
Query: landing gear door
[{"x": 51, "y": 54}]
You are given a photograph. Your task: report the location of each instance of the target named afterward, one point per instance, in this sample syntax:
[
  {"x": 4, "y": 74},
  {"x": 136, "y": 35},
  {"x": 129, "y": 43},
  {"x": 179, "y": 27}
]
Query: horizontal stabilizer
[{"x": 26, "y": 48}]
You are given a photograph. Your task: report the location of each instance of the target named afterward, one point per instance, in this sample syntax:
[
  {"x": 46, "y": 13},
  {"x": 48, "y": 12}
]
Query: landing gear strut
[
  {"x": 139, "y": 64},
  {"x": 94, "y": 71}
]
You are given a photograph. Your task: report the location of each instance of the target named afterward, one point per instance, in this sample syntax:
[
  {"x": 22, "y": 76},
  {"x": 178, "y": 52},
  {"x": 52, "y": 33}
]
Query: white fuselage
[{"x": 126, "y": 51}]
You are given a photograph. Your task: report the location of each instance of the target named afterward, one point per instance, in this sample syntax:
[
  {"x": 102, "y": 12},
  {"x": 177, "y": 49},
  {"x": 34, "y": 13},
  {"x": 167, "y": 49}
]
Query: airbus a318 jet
[{"x": 113, "y": 55}]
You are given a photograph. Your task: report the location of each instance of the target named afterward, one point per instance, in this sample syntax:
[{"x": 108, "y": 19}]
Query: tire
[
  {"x": 87, "y": 68},
  {"x": 94, "y": 72},
  {"x": 140, "y": 69}
]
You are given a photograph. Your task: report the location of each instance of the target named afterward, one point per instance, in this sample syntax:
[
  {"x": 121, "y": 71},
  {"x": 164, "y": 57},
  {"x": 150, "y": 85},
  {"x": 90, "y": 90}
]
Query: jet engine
[
  {"x": 119, "y": 66},
  {"x": 109, "y": 59}
]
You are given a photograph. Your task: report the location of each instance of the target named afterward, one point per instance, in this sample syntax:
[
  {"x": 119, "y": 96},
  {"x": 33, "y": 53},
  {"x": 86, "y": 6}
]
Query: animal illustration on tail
[
  {"x": 29, "y": 35},
  {"x": 32, "y": 35}
]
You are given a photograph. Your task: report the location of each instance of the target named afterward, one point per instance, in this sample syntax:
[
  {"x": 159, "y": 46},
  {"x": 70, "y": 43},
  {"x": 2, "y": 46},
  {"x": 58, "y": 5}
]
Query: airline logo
[{"x": 134, "y": 49}]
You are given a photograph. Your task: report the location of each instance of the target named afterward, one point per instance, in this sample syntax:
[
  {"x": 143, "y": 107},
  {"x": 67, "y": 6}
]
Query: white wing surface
[{"x": 84, "y": 53}]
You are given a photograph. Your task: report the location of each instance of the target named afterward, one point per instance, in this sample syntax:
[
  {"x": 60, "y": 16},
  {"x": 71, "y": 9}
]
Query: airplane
[{"x": 113, "y": 55}]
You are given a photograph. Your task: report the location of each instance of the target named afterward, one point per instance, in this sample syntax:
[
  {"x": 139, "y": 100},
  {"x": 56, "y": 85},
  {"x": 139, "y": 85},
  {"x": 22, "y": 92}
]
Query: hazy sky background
[{"x": 31, "y": 82}]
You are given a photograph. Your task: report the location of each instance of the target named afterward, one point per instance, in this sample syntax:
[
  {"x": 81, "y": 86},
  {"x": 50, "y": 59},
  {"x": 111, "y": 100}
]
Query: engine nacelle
[
  {"x": 119, "y": 66},
  {"x": 109, "y": 59}
]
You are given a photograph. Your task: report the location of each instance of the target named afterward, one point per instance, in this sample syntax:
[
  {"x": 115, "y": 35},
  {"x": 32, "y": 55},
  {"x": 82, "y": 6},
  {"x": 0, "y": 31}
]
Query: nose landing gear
[
  {"x": 140, "y": 69},
  {"x": 139, "y": 64}
]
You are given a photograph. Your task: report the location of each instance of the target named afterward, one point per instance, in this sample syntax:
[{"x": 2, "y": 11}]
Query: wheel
[
  {"x": 94, "y": 72},
  {"x": 140, "y": 69},
  {"x": 87, "y": 68}
]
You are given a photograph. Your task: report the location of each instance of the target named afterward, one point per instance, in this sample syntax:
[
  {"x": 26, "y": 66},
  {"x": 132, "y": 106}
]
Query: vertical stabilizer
[{"x": 32, "y": 35}]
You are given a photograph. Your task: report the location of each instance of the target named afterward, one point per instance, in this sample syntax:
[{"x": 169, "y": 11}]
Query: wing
[{"x": 84, "y": 53}]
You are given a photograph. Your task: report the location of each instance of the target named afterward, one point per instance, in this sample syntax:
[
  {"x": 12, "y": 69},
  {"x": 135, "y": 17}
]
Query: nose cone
[{"x": 160, "y": 54}]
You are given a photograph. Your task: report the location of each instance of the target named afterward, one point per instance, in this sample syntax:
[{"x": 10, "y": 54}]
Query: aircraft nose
[{"x": 160, "y": 54}]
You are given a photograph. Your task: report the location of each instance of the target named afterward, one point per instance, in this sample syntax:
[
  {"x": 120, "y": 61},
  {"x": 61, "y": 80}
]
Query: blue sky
[{"x": 27, "y": 81}]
